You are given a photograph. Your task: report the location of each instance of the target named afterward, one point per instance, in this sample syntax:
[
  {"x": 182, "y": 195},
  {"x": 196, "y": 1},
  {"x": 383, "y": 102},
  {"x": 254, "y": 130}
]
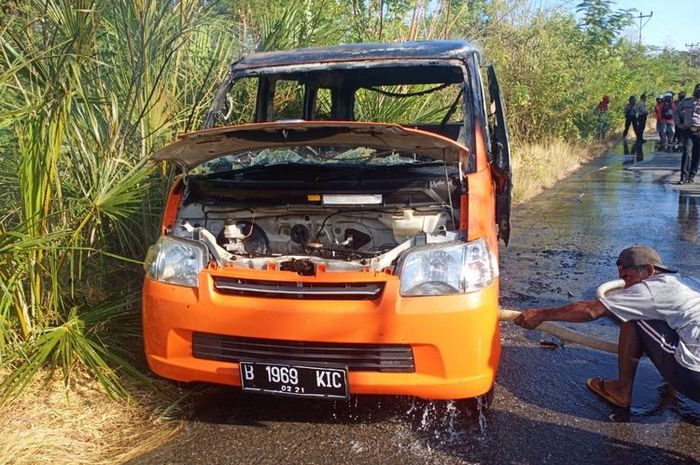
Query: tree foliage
[{"x": 601, "y": 24}]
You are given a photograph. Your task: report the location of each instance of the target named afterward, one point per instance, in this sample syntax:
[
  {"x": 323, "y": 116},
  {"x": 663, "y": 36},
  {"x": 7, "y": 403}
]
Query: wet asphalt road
[{"x": 563, "y": 245}]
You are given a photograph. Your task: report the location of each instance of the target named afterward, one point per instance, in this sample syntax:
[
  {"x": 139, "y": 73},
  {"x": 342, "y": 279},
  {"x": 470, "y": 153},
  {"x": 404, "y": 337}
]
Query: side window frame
[{"x": 264, "y": 98}]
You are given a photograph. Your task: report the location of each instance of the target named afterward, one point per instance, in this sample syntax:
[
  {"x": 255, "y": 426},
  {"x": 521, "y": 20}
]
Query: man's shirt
[
  {"x": 659, "y": 110},
  {"x": 668, "y": 297},
  {"x": 689, "y": 112},
  {"x": 641, "y": 109}
]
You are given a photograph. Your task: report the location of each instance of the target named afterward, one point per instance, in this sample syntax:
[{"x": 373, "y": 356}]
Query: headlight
[
  {"x": 176, "y": 261},
  {"x": 447, "y": 269}
]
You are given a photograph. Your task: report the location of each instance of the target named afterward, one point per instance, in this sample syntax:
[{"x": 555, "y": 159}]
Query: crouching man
[{"x": 660, "y": 312}]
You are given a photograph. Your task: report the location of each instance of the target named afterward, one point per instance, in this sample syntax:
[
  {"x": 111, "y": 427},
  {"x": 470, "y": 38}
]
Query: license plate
[{"x": 294, "y": 380}]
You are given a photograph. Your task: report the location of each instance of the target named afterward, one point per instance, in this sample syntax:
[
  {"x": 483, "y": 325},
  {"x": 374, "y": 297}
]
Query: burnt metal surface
[
  {"x": 194, "y": 148},
  {"x": 500, "y": 156},
  {"x": 357, "y": 52},
  {"x": 564, "y": 244}
]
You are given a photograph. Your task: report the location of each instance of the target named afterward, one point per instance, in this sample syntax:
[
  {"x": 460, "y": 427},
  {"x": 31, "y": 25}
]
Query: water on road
[{"x": 564, "y": 244}]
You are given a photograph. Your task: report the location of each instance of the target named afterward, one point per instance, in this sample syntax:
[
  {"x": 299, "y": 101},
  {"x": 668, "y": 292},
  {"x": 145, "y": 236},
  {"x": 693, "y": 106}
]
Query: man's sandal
[{"x": 597, "y": 386}]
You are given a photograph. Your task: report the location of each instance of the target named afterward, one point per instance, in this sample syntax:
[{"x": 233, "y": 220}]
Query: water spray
[{"x": 570, "y": 335}]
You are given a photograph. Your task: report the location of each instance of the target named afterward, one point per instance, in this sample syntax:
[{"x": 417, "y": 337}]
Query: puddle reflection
[
  {"x": 636, "y": 149},
  {"x": 688, "y": 217}
]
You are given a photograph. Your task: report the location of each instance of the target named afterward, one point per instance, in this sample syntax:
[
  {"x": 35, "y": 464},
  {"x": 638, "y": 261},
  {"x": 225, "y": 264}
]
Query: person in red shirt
[
  {"x": 602, "y": 110},
  {"x": 664, "y": 119}
]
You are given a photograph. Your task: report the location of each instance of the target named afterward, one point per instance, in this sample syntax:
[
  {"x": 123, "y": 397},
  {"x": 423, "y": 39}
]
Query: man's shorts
[{"x": 659, "y": 343}]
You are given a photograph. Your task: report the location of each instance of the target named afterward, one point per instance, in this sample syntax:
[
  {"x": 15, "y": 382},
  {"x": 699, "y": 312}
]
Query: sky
[{"x": 674, "y": 23}]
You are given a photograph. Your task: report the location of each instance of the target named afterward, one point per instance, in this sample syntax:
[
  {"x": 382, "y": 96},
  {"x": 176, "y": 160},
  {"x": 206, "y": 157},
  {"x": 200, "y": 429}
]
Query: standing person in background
[
  {"x": 681, "y": 97},
  {"x": 642, "y": 113},
  {"x": 664, "y": 121},
  {"x": 659, "y": 99},
  {"x": 602, "y": 111},
  {"x": 688, "y": 118},
  {"x": 678, "y": 135},
  {"x": 657, "y": 115},
  {"x": 630, "y": 116}
]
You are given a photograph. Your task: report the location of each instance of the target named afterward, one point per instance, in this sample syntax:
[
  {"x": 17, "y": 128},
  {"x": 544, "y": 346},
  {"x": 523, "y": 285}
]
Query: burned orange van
[{"x": 335, "y": 228}]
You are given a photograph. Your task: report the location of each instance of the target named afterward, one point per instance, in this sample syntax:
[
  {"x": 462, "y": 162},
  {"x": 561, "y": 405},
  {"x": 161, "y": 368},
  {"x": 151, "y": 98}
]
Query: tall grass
[
  {"x": 89, "y": 89},
  {"x": 539, "y": 166}
]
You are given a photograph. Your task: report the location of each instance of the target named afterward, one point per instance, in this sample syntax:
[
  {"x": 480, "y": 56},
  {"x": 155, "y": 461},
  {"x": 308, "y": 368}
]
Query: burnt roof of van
[{"x": 438, "y": 49}]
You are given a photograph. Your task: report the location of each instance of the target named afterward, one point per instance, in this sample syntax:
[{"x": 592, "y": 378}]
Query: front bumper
[{"x": 454, "y": 339}]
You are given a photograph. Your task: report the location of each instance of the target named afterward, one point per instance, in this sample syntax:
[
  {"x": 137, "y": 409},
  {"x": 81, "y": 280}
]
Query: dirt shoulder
[{"x": 50, "y": 423}]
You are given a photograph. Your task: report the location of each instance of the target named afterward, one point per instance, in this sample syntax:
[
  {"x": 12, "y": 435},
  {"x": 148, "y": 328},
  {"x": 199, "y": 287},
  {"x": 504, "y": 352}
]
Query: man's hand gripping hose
[{"x": 570, "y": 335}]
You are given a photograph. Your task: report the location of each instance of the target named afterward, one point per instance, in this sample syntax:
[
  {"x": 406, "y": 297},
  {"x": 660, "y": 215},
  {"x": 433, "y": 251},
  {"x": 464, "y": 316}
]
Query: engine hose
[{"x": 570, "y": 335}]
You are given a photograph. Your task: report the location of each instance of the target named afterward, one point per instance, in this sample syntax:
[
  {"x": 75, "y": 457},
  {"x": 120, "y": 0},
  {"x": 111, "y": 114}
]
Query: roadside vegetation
[{"x": 90, "y": 88}]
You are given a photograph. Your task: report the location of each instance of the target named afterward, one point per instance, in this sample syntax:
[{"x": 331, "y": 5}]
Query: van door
[{"x": 500, "y": 156}]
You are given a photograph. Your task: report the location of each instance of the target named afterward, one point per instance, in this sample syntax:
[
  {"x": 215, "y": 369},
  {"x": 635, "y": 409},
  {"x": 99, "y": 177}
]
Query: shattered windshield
[{"x": 312, "y": 156}]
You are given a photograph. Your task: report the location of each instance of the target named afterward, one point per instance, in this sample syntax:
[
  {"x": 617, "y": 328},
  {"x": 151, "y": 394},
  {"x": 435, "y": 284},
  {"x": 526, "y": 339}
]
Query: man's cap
[{"x": 641, "y": 255}]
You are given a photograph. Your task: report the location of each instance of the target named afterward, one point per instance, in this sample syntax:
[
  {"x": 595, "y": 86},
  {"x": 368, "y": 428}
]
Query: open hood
[{"x": 194, "y": 148}]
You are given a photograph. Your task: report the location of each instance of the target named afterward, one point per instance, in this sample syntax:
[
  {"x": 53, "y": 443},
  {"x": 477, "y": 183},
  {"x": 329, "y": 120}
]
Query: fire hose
[{"x": 571, "y": 335}]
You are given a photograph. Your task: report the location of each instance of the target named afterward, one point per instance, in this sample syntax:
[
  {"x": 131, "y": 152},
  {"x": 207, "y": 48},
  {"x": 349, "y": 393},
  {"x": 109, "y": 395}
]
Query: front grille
[
  {"x": 357, "y": 357},
  {"x": 298, "y": 290}
]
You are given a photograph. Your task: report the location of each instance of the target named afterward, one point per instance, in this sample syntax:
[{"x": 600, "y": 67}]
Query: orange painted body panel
[{"x": 455, "y": 339}]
